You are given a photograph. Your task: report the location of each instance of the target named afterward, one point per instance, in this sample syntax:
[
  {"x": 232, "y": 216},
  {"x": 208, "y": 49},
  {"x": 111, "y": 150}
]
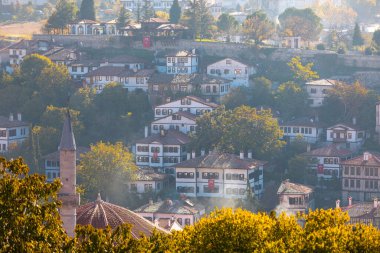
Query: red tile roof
[
  {"x": 330, "y": 151},
  {"x": 100, "y": 214},
  {"x": 287, "y": 187},
  {"x": 373, "y": 160}
]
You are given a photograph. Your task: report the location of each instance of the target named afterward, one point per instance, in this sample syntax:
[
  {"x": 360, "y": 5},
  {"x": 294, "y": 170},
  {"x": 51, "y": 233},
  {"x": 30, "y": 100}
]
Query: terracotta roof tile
[
  {"x": 330, "y": 151},
  {"x": 373, "y": 160},
  {"x": 287, "y": 187}
]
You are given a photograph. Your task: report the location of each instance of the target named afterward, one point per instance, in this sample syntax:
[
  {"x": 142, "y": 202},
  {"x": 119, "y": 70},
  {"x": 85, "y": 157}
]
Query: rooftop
[
  {"x": 367, "y": 159},
  {"x": 149, "y": 175},
  {"x": 287, "y": 187},
  {"x": 55, "y": 155},
  {"x": 172, "y": 207},
  {"x": 364, "y": 210},
  {"x": 5, "y": 122},
  {"x": 195, "y": 99},
  {"x": 100, "y": 214},
  {"x": 169, "y": 137},
  {"x": 219, "y": 160},
  {"x": 323, "y": 82},
  {"x": 305, "y": 122},
  {"x": 332, "y": 150},
  {"x": 180, "y": 113}
]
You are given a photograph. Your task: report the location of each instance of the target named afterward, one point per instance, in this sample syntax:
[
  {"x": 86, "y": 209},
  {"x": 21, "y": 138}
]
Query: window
[
  {"x": 360, "y": 135},
  {"x": 352, "y": 183},
  {"x": 226, "y": 71},
  {"x": 222, "y": 88},
  {"x": 192, "y": 128},
  {"x": 179, "y": 221},
  {"x": 230, "y": 176},
  {"x": 295, "y": 201},
  {"x": 349, "y": 136},
  {"x": 358, "y": 171},
  {"x": 185, "y": 174},
  {"x": 155, "y": 149},
  {"x": 155, "y": 160},
  {"x": 185, "y": 189},
  {"x": 346, "y": 183},
  {"x": 142, "y": 159},
  {"x": 296, "y": 130},
  {"x": 313, "y": 90},
  {"x": 139, "y": 80},
  {"x": 352, "y": 171},
  {"x": 158, "y": 112},
  {"x": 208, "y": 190},
  {"x": 212, "y": 71},
  {"x": 3, "y": 133},
  {"x": 12, "y": 132},
  {"x": 210, "y": 175},
  {"x": 214, "y": 89},
  {"x": 357, "y": 183},
  {"x": 164, "y": 111},
  {"x": 367, "y": 171},
  {"x": 208, "y": 89},
  {"x": 155, "y": 127},
  {"x": 148, "y": 187},
  {"x": 183, "y": 101},
  {"x": 74, "y": 69},
  {"x": 133, "y": 187},
  {"x": 169, "y": 60},
  {"x": 187, "y": 220},
  {"x": 142, "y": 148},
  {"x": 107, "y": 78}
]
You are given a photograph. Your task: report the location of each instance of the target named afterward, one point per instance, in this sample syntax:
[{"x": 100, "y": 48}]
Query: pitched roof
[
  {"x": 180, "y": 113},
  {"x": 55, "y": 155},
  {"x": 6, "y": 123},
  {"x": 60, "y": 54},
  {"x": 170, "y": 137},
  {"x": 307, "y": 122},
  {"x": 119, "y": 72},
  {"x": 127, "y": 59},
  {"x": 346, "y": 126},
  {"x": 287, "y": 187},
  {"x": 67, "y": 138},
  {"x": 149, "y": 175},
  {"x": 195, "y": 99},
  {"x": 100, "y": 214},
  {"x": 172, "y": 27},
  {"x": 195, "y": 79},
  {"x": 219, "y": 160},
  {"x": 363, "y": 210},
  {"x": 182, "y": 53},
  {"x": 156, "y": 20},
  {"x": 373, "y": 160},
  {"x": 323, "y": 82},
  {"x": 23, "y": 44},
  {"x": 172, "y": 207},
  {"x": 332, "y": 150}
]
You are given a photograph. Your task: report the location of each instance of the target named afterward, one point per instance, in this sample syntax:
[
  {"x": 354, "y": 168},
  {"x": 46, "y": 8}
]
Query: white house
[
  {"x": 324, "y": 162},
  {"x": 308, "y": 129},
  {"x": 318, "y": 91},
  {"x": 61, "y": 55},
  {"x": 191, "y": 104},
  {"x": 294, "y": 198},
  {"x": 185, "y": 212},
  {"x": 12, "y": 132},
  {"x": 51, "y": 163},
  {"x": 184, "y": 122},
  {"x": 86, "y": 27},
  {"x": 349, "y": 135},
  {"x": 162, "y": 150},
  {"x": 127, "y": 61},
  {"x": 78, "y": 69},
  {"x": 130, "y": 79},
  {"x": 147, "y": 181},
  {"x": 220, "y": 175},
  {"x": 233, "y": 70},
  {"x": 20, "y": 49},
  {"x": 182, "y": 62}
]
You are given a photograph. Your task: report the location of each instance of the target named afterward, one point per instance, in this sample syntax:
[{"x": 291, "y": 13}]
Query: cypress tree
[
  {"x": 87, "y": 10},
  {"x": 175, "y": 12},
  {"x": 357, "y": 39}
]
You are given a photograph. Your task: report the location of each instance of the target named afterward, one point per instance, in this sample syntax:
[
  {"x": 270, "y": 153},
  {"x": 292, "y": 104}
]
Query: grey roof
[
  {"x": 67, "y": 138},
  {"x": 55, "y": 155},
  {"x": 220, "y": 161},
  {"x": 172, "y": 207},
  {"x": 365, "y": 210},
  {"x": 287, "y": 187},
  {"x": 306, "y": 122},
  {"x": 149, "y": 175},
  {"x": 170, "y": 137},
  {"x": 330, "y": 151},
  {"x": 6, "y": 123}
]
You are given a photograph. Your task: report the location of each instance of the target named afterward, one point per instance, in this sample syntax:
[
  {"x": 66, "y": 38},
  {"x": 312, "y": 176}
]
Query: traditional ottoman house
[
  {"x": 318, "y": 91},
  {"x": 184, "y": 122},
  {"x": 350, "y": 135},
  {"x": 294, "y": 198},
  {"x": 12, "y": 132},
  {"x": 220, "y": 175},
  {"x": 182, "y": 62},
  {"x": 127, "y": 61},
  {"x": 360, "y": 177},
  {"x": 362, "y": 212},
  {"x": 148, "y": 181},
  {"x": 308, "y": 129},
  {"x": 185, "y": 212}
]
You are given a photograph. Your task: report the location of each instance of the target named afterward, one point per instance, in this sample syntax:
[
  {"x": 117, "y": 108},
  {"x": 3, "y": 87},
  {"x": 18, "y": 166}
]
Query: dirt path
[{"x": 21, "y": 29}]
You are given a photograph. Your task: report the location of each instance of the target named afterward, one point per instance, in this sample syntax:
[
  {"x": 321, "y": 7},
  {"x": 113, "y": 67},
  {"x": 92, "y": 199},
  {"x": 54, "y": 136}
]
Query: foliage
[
  {"x": 30, "y": 220},
  {"x": 237, "y": 96},
  {"x": 123, "y": 17},
  {"x": 291, "y": 100},
  {"x": 297, "y": 167},
  {"x": 258, "y": 27},
  {"x": 357, "y": 39},
  {"x": 376, "y": 39},
  {"x": 199, "y": 19},
  {"x": 300, "y": 22},
  {"x": 226, "y": 23},
  {"x": 87, "y": 10},
  {"x": 175, "y": 12},
  {"x": 333, "y": 16},
  {"x": 112, "y": 162},
  {"x": 262, "y": 92},
  {"x": 243, "y": 128},
  {"x": 302, "y": 73},
  {"x": 64, "y": 14},
  {"x": 147, "y": 10},
  {"x": 368, "y": 51},
  {"x": 321, "y": 46},
  {"x": 162, "y": 15}
]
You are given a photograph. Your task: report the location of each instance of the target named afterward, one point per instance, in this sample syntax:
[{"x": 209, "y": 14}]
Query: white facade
[
  {"x": 190, "y": 104},
  {"x": 183, "y": 62},
  {"x": 310, "y": 133},
  {"x": 183, "y": 122},
  {"x": 352, "y": 136},
  {"x": 232, "y": 70},
  {"x": 318, "y": 91},
  {"x": 12, "y": 132},
  {"x": 219, "y": 181},
  {"x": 78, "y": 70},
  {"x": 16, "y": 56}
]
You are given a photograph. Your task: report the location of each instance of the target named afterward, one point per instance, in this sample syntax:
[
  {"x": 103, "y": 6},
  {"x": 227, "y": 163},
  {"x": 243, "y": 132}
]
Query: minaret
[
  {"x": 378, "y": 121},
  {"x": 68, "y": 196}
]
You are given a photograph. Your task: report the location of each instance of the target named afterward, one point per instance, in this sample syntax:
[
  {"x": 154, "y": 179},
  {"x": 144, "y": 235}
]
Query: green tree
[
  {"x": 147, "y": 10},
  {"x": 297, "y": 167},
  {"x": 226, "y": 23},
  {"x": 357, "y": 39},
  {"x": 376, "y": 39},
  {"x": 262, "y": 93},
  {"x": 243, "y": 128},
  {"x": 199, "y": 18},
  {"x": 106, "y": 161},
  {"x": 237, "y": 96},
  {"x": 30, "y": 220},
  {"x": 300, "y": 22},
  {"x": 87, "y": 10},
  {"x": 302, "y": 73},
  {"x": 175, "y": 12},
  {"x": 258, "y": 27},
  {"x": 64, "y": 14},
  {"x": 291, "y": 100},
  {"x": 123, "y": 17}
]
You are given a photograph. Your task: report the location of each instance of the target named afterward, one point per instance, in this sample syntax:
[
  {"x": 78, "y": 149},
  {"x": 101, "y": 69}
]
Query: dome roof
[{"x": 100, "y": 214}]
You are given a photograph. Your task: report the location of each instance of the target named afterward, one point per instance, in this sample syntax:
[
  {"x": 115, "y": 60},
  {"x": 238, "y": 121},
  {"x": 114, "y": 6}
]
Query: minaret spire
[{"x": 67, "y": 168}]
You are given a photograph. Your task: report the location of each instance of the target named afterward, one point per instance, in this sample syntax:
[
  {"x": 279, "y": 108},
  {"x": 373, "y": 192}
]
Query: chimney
[
  {"x": 249, "y": 154},
  {"x": 366, "y": 156},
  {"x": 168, "y": 100},
  {"x": 349, "y": 201},
  {"x": 203, "y": 152},
  {"x": 241, "y": 154},
  {"x": 11, "y": 117},
  {"x": 169, "y": 223},
  {"x": 337, "y": 203},
  {"x": 308, "y": 147},
  {"x": 375, "y": 203},
  {"x": 188, "y": 156},
  {"x": 156, "y": 222},
  {"x": 162, "y": 132},
  {"x": 150, "y": 201},
  {"x": 146, "y": 133},
  {"x": 207, "y": 100},
  {"x": 354, "y": 120},
  {"x": 193, "y": 154},
  {"x": 19, "y": 118}
]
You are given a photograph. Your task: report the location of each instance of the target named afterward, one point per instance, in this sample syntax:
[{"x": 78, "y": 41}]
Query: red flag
[
  {"x": 155, "y": 155},
  {"x": 211, "y": 184},
  {"x": 320, "y": 169},
  {"x": 146, "y": 41}
]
